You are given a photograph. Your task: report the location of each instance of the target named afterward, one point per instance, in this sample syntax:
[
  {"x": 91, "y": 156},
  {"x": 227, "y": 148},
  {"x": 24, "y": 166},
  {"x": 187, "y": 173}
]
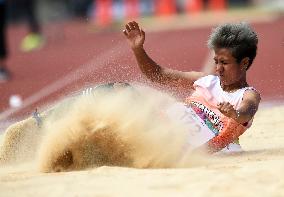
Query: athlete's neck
[{"x": 235, "y": 86}]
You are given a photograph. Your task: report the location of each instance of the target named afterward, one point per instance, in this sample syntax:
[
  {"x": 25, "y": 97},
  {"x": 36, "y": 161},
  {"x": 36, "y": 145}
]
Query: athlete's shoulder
[
  {"x": 251, "y": 94},
  {"x": 250, "y": 101}
]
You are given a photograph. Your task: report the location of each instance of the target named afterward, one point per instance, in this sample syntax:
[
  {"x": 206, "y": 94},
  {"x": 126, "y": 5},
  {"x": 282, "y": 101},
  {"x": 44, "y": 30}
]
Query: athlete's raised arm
[{"x": 136, "y": 38}]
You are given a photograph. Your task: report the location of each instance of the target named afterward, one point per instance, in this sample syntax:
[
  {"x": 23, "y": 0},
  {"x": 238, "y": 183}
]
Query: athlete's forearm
[
  {"x": 150, "y": 68},
  {"x": 231, "y": 133},
  {"x": 163, "y": 75}
]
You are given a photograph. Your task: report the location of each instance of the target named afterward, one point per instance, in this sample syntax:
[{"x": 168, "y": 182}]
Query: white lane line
[{"x": 94, "y": 64}]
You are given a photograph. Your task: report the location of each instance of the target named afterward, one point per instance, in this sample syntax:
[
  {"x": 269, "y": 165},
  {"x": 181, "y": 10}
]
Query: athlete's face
[{"x": 227, "y": 68}]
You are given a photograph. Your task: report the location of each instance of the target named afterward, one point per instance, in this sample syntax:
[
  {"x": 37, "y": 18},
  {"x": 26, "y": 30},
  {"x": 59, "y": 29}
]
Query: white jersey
[{"x": 204, "y": 120}]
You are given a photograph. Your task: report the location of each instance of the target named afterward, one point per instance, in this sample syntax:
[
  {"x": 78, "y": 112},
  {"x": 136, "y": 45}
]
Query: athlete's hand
[
  {"x": 228, "y": 110},
  {"x": 135, "y": 36}
]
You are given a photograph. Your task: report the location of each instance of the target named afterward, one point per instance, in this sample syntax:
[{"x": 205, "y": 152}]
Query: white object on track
[{"x": 15, "y": 101}]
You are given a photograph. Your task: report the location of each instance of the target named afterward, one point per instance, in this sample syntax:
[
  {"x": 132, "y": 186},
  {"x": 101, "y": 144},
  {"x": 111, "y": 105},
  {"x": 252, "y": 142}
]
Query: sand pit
[{"x": 258, "y": 171}]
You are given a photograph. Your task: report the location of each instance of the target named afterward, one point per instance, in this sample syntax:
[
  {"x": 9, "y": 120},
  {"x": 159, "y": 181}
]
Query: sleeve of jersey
[
  {"x": 204, "y": 81},
  {"x": 230, "y": 133}
]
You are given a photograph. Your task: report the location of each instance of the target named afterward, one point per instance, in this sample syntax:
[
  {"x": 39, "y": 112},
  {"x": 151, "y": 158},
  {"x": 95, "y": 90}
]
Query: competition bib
[{"x": 205, "y": 122}]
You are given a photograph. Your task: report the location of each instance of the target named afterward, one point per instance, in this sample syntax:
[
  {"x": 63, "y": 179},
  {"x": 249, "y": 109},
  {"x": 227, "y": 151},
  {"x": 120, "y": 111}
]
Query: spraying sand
[
  {"x": 142, "y": 142},
  {"x": 122, "y": 128}
]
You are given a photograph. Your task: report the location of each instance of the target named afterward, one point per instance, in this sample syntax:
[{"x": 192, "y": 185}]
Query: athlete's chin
[{"x": 225, "y": 82}]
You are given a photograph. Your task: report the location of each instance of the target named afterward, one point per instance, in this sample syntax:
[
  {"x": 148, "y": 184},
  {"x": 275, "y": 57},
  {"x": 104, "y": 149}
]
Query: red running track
[{"x": 75, "y": 57}]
